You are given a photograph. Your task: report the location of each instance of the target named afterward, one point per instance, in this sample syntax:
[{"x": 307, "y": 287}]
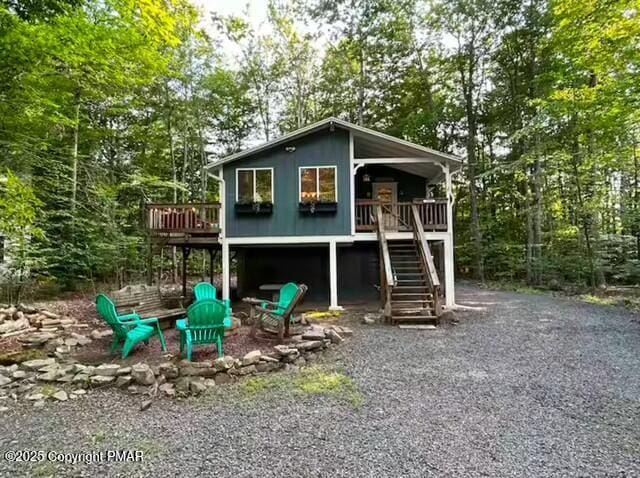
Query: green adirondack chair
[
  {"x": 276, "y": 316},
  {"x": 129, "y": 329},
  {"x": 205, "y": 324},
  {"x": 204, "y": 290}
]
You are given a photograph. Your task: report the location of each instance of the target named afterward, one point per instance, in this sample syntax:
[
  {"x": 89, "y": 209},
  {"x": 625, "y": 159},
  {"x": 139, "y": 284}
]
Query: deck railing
[
  {"x": 433, "y": 215},
  {"x": 183, "y": 218}
]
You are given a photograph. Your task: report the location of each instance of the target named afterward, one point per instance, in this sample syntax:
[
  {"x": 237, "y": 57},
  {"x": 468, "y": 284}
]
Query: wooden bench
[{"x": 147, "y": 301}]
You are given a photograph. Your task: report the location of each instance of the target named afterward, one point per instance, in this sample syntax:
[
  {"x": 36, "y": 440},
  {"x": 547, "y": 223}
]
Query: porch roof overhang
[{"x": 369, "y": 147}]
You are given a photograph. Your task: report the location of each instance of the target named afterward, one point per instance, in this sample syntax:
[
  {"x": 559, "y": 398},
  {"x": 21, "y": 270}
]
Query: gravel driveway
[{"x": 524, "y": 386}]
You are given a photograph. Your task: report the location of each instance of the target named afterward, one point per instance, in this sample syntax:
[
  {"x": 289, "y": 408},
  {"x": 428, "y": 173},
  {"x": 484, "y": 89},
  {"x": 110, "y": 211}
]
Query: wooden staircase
[
  {"x": 411, "y": 296},
  {"x": 409, "y": 283}
]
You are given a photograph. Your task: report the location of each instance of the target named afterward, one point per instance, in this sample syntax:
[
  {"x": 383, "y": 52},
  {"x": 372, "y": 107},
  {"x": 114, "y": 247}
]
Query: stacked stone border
[{"x": 58, "y": 379}]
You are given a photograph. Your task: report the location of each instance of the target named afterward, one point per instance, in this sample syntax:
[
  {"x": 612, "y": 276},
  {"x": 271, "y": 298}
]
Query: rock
[
  {"x": 251, "y": 358},
  {"x": 300, "y": 361},
  {"x": 196, "y": 369},
  {"x": 78, "y": 367},
  {"x": 223, "y": 378},
  {"x": 168, "y": 389},
  {"x": 309, "y": 345},
  {"x": 143, "y": 374},
  {"x": 133, "y": 389},
  {"x": 35, "y": 396},
  {"x": 98, "y": 380},
  {"x": 209, "y": 382},
  {"x": 79, "y": 391},
  {"x": 27, "y": 309},
  {"x": 223, "y": 363},
  {"x": 81, "y": 377},
  {"x": 197, "y": 386},
  {"x": 334, "y": 336},
  {"x": 4, "y": 380},
  {"x": 123, "y": 381},
  {"x": 268, "y": 358},
  {"x": 99, "y": 334},
  {"x": 65, "y": 378},
  {"x": 71, "y": 342},
  {"x": 37, "y": 364},
  {"x": 169, "y": 370},
  {"x": 61, "y": 396},
  {"x": 38, "y": 404},
  {"x": 145, "y": 405},
  {"x": 124, "y": 371},
  {"x": 315, "y": 333},
  {"x": 284, "y": 350},
  {"x": 107, "y": 369},
  {"x": 182, "y": 384},
  {"x": 368, "y": 320},
  {"x": 291, "y": 358},
  {"x": 18, "y": 375},
  {"x": 14, "y": 325},
  {"x": 310, "y": 356},
  {"x": 267, "y": 366},
  {"x": 50, "y": 376},
  {"x": 248, "y": 370},
  {"x": 50, "y": 315},
  {"x": 4, "y": 409}
]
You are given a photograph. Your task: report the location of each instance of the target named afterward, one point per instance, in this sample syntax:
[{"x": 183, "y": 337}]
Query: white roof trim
[{"x": 325, "y": 122}]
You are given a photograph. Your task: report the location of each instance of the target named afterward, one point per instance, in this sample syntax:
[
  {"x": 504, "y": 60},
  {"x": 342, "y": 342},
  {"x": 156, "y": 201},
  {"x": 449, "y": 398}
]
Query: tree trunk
[{"x": 74, "y": 156}]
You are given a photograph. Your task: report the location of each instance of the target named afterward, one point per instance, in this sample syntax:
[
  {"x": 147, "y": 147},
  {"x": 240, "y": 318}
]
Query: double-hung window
[
  {"x": 318, "y": 184},
  {"x": 254, "y": 185}
]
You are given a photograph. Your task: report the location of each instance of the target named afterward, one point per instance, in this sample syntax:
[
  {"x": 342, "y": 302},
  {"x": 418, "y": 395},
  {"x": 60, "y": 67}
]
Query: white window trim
[
  {"x": 273, "y": 198},
  {"x": 335, "y": 179}
]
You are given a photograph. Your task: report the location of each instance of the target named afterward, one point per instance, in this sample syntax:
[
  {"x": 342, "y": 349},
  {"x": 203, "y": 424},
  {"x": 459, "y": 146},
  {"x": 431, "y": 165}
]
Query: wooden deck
[{"x": 184, "y": 224}]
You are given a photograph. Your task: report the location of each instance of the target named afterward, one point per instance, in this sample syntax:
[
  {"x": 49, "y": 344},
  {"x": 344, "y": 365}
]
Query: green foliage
[{"x": 19, "y": 208}]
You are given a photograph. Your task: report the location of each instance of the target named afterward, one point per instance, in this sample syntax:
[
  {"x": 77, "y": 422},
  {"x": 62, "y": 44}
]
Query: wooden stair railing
[
  {"x": 387, "y": 278},
  {"x": 427, "y": 264}
]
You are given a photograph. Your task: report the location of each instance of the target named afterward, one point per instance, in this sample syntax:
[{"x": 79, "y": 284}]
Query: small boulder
[
  {"x": 314, "y": 333},
  {"x": 123, "y": 381},
  {"x": 168, "y": 389},
  {"x": 37, "y": 364},
  {"x": 61, "y": 396},
  {"x": 223, "y": 363},
  {"x": 143, "y": 374},
  {"x": 124, "y": 371},
  {"x": 310, "y": 345},
  {"x": 145, "y": 405},
  {"x": 107, "y": 369},
  {"x": 4, "y": 380},
  {"x": 334, "y": 336},
  {"x": 98, "y": 380},
  {"x": 251, "y": 358},
  {"x": 169, "y": 370},
  {"x": 197, "y": 386},
  {"x": 248, "y": 370}
]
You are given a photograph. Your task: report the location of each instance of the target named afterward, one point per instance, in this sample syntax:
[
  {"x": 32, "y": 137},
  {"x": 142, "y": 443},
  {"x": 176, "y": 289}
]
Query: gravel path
[{"x": 523, "y": 386}]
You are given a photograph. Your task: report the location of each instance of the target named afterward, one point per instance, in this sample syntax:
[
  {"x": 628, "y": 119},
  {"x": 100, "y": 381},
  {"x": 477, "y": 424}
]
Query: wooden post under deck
[{"x": 185, "y": 258}]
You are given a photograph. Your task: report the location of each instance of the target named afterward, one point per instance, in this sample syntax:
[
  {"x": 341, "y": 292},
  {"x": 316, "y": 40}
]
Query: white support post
[
  {"x": 333, "y": 276},
  {"x": 226, "y": 270},
  {"x": 352, "y": 185},
  {"x": 449, "y": 264},
  {"x": 449, "y": 273}
]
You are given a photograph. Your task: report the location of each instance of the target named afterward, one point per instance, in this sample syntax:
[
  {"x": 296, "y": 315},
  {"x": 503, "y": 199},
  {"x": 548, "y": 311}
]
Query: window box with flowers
[
  {"x": 254, "y": 191},
  {"x": 318, "y": 190}
]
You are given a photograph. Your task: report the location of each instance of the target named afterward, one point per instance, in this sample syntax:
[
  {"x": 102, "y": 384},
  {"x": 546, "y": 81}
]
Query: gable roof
[{"x": 382, "y": 143}]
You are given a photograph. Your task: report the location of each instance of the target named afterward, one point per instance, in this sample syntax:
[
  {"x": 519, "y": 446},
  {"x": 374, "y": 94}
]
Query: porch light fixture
[
  {"x": 290, "y": 149},
  {"x": 366, "y": 178}
]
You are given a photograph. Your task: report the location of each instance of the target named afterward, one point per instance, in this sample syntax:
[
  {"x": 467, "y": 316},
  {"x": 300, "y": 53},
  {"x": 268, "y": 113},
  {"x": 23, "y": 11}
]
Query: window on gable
[
  {"x": 254, "y": 185},
  {"x": 318, "y": 184}
]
